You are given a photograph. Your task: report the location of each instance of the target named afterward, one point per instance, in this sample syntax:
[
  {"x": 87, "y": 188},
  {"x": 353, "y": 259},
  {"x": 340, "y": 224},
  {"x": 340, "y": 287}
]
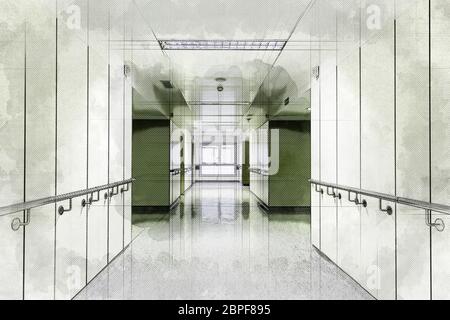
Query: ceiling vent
[
  {"x": 316, "y": 72},
  {"x": 167, "y": 84}
]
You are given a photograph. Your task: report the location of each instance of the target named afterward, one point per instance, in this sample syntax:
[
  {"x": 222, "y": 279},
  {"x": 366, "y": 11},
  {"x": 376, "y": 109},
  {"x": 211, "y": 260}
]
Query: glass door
[{"x": 219, "y": 160}]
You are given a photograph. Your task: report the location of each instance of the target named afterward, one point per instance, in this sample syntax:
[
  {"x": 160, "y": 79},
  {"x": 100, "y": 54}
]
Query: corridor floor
[{"x": 218, "y": 244}]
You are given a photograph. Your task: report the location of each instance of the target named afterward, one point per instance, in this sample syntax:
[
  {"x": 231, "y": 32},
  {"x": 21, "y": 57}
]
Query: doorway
[{"x": 219, "y": 161}]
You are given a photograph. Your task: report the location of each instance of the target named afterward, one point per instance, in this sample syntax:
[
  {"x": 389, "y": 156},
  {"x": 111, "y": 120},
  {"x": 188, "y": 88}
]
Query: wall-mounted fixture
[
  {"x": 220, "y": 80},
  {"x": 126, "y": 70},
  {"x": 316, "y": 72},
  {"x": 287, "y": 101}
]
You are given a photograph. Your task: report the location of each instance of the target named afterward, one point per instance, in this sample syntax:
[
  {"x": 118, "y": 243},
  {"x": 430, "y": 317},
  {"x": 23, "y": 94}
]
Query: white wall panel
[
  {"x": 413, "y": 254},
  {"x": 349, "y": 237},
  {"x": 70, "y": 268},
  {"x": 348, "y": 136},
  {"x": 128, "y": 92},
  {"x": 97, "y": 213},
  {"x": 12, "y": 104},
  {"x": 440, "y": 145},
  {"x": 328, "y": 227},
  {"x": 315, "y": 218},
  {"x": 378, "y": 250},
  {"x": 315, "y": 132},
  {"x": 369, "y": 265},
  {"x": 440, "y": 104},
  {"x": 328, "y": 151},
  {"x": 328, "y": 63},
  {"x": 377, "y": 145},
  {"x": 71, "y": 100},
  {"x": 328, "y": 117},
  {"x": 98, "y": 94},
  {"x": 39, "y": 254},
  {"x": 97, "y": 236},
  {"x": 387, "y": 122},
  {"x": 128, "y": 124},
  {"x": 348, "y": 145},
  {"x": 441, "y": 260},
  {"x": 12, "y": 81},
  {"x": 115, "y": 243},
  {"x": 386, "y": 252},
  {"x": 45, "y": 108},
  {"x": 116, "y": 128},
  {"x": 11, "y": 263},
  {"x": 412, "y": 158},
  {"x": 412, "y": 95},
  {"x": 348, "y": 94},
  {"x": 377, "y": 97},
  {"x": 71, "y": 146}
]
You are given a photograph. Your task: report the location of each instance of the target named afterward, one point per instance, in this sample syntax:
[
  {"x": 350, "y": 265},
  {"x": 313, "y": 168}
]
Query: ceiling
[
  {"x": 244, "y": 71},
  {"x": 222, "y": 19}
]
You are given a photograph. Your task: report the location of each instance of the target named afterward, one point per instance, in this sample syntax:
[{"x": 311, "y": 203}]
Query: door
[{"x": 218, "y": 161}]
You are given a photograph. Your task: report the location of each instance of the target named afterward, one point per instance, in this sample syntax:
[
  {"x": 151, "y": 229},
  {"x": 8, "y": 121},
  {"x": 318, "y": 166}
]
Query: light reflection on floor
[{"x": 218, "y": 244}]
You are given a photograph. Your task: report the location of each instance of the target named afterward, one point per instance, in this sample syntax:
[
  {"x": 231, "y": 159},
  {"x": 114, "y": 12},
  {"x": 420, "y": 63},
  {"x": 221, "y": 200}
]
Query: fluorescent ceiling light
[{"x": 250, "y": 45}]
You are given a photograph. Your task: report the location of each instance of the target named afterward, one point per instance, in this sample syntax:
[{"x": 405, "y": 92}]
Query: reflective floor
[{"x": 218, "y": 244}]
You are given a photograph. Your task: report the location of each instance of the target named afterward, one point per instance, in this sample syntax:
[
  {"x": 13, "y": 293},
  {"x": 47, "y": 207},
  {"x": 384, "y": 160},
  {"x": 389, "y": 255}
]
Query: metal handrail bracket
[
  {"x": 28, "y": 205},
  {"x": 432, "y": 207},
  {"x": 319, "y": 190},
  {"x": 16, "y": 224},
  {"x": 62, "y": 210},
  {"x": 356, "y": 200},
  {"x": 91, "y": 198},
  {"x": 113, "y": 193}
]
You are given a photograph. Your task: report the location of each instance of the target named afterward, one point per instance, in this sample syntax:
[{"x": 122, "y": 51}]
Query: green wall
[
  {"x": 290, "y": 186},
  {"x": 246, "y": 163},
  {"x": 151, "y": 162}
]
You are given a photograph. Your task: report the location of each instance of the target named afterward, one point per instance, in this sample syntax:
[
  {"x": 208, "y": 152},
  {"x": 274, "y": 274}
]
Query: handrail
[
  {"x": 28, "y": 205},
  {"x": 386, "y": 197}
]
